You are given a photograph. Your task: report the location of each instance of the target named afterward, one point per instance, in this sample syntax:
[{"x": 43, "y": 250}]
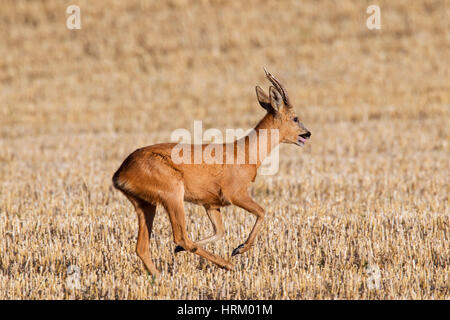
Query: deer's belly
[{"x": 206, "y": 197}]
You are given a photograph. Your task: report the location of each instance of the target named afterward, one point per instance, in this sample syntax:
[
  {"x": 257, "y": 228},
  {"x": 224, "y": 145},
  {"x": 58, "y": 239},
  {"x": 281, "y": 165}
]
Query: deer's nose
[{"x": 306, "y": 135}]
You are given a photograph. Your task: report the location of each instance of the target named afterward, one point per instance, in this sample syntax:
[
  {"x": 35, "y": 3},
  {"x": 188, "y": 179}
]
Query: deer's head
[{"x": 277, "y": 104}]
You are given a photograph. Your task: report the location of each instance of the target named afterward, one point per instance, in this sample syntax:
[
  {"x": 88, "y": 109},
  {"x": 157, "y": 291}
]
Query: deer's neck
[{"x": 260, "y": 142}]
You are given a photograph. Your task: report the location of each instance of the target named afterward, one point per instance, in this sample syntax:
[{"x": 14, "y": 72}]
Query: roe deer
[{"x": 149, "y": 177}]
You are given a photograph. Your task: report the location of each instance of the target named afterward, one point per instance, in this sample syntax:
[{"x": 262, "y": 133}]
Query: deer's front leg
[
  {"x": 244, "y": 201},
  {"x": 216, "y": 220}
]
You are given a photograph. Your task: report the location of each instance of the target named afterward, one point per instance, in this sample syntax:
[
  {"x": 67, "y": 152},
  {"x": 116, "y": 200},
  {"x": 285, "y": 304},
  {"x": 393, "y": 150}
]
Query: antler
[{"x": 278, "y": 86}]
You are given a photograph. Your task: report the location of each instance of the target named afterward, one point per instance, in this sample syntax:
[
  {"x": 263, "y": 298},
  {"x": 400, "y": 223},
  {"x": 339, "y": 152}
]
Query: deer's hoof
[
  {"x": 178, "y": 249},
  {"x": 237, "y": 250}
]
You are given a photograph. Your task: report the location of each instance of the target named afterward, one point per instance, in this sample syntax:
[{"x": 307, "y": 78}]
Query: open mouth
[{"x": 301, "y": 140}]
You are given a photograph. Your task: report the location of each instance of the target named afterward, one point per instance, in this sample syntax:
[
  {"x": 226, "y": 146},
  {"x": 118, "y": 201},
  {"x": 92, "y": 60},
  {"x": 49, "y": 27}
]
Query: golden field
[{"x": 368, "y": 192}]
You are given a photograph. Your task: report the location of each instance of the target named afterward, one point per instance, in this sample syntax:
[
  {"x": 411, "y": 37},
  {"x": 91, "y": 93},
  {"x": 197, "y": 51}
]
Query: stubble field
[{"x": 360, "y": 212}]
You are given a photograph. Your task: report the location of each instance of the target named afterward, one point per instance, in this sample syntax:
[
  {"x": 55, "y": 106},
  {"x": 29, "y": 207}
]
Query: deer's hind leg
[
  {"x": 215, "y": 217},
  {"x": 146, "y": 213},
  {"x": 174, "y": 205}
]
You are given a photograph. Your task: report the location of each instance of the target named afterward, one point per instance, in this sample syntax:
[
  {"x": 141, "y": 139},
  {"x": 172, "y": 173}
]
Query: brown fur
[{"x": 149, "y": 177}]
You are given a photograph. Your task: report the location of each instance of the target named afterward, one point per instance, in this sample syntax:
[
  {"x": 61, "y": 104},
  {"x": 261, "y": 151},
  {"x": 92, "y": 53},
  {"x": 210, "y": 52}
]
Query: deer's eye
[{"x": 295, "y": 119}]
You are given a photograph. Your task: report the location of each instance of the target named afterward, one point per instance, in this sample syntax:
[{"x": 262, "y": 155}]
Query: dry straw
[{"x": 368, "y": 196}]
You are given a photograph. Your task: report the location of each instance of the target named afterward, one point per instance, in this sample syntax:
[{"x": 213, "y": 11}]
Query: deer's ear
[
  {"x": 264, "y": 99},
  {"x": 276, "y": 100}
]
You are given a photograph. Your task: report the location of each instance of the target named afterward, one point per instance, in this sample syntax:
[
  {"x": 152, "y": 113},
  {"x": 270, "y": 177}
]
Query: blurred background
[
  {"x": 74, "y": 103},
  {"x": 139, "y": 66}
]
